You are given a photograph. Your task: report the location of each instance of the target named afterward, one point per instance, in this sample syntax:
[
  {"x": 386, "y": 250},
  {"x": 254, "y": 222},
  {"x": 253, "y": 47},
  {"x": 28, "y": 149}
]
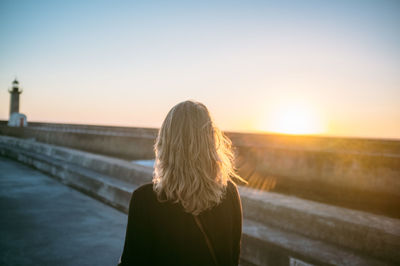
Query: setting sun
[{"x": 293, "y": 119}]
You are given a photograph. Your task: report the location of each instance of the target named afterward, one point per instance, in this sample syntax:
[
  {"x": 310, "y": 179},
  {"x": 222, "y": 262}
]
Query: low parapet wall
[
  {"x": 129, "y": 143},
  {"x": 277, "y": 229},
  {"x": 360, "y": 174}
]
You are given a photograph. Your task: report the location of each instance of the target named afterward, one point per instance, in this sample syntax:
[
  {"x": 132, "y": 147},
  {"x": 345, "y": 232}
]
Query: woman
[{"x": 191, "y": 213}]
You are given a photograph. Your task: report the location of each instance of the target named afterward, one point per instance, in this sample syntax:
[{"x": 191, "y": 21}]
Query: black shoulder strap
[{"x": 197, "y": 220}]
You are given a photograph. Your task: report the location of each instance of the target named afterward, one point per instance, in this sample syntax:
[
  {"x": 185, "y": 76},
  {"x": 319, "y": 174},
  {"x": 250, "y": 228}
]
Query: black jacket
[{"x": 163, "y": 234}]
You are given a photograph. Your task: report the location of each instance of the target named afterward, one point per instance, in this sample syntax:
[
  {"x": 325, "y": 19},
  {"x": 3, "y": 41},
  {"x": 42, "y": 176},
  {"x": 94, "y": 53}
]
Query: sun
[{"x": 294, "y": 119}]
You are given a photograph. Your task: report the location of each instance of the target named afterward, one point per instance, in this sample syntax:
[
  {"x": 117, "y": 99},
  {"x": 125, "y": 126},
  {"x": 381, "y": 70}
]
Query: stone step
[
  {"x": 117, "y": 168},
  {"x": 266, "y": 245},
  {"x": 112, "y": 191},
  {"x": 371, "y": 234}
]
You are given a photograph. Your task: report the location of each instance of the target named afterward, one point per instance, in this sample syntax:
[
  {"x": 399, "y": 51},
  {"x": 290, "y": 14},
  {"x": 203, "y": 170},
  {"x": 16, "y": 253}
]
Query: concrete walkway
[{"x": 43, "y": 222}]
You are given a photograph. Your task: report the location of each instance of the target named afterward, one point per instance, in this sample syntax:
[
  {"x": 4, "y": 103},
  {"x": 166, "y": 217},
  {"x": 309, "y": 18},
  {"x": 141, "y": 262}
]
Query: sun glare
[{"x": 293, "y": 119}]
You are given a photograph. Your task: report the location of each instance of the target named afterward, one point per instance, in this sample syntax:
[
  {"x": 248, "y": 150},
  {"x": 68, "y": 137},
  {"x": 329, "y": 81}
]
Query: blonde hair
[{"x": 194, "y": 159}]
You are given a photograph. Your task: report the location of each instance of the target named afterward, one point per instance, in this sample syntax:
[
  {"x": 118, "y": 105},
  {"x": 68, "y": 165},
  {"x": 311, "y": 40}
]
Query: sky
[{"x": 329, "y": 68}]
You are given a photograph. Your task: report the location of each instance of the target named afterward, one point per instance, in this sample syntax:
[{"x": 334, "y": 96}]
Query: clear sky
[{"x": 314, "y": 67}]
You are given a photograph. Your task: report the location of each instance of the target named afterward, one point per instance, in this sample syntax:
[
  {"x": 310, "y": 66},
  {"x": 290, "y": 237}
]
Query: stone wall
[
  {"x": 129, "y": 143},
  {"x": 361, "y": 174},
  {"x": 355, "y": 173}
]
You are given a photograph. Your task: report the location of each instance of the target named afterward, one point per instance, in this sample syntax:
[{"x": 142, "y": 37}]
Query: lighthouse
[
  {"x": 15, "y": 92},
  {"x": 16, "y": 118}
]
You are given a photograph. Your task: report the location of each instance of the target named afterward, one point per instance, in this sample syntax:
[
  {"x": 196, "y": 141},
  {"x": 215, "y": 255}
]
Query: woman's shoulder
[
  {"x": 232, "y": 188},
  {"x": 144, "y": 189},
  {"x": 234, "y": 196},
  {"x": 143, "y": 192}
]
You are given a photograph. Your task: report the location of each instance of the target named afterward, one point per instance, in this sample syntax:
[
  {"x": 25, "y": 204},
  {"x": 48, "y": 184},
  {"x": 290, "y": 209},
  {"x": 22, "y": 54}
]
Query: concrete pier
[
  {"x": 44, "y": 222},
  {"x": 359, "y": 174},
  {"x": 277, "y": 229}
]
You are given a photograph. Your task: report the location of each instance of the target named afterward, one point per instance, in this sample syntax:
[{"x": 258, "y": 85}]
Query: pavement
[{"x": 43, "y": 222}]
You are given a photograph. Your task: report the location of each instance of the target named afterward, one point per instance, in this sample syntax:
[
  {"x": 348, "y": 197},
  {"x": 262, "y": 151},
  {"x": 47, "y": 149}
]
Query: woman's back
[
  {"x": 164, "y": 234},
  {"x": 191, "y": 213}
]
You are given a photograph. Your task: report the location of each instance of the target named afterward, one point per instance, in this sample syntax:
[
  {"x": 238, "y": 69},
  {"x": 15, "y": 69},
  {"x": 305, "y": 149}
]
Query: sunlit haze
[
  {"x": 293, "y": 118},
  {"x": 296, "y": 67}
]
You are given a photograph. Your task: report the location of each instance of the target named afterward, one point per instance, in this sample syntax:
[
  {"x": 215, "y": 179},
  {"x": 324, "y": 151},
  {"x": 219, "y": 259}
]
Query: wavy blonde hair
[{"x": 194, "y": 159}]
